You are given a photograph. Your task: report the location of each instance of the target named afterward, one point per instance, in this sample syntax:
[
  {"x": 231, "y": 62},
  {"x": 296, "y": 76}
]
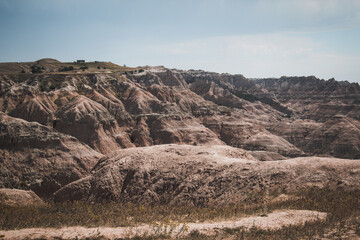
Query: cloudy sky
[{"x": 257, "y": 38}]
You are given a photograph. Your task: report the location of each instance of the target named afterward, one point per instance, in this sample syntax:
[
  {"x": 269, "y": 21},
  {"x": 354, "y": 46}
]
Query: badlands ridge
[{"x": 158, "y": 135}]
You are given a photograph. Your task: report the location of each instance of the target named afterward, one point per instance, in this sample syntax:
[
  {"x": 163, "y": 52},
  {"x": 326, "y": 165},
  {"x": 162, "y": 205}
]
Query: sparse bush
[
  {"x": 66, "y": 69},
  {"x": 84, "y": 67},
  {"x": 42, "y": 86},
  {"x": 342, "y": 208},
  {"x": 36, "y": 69}
]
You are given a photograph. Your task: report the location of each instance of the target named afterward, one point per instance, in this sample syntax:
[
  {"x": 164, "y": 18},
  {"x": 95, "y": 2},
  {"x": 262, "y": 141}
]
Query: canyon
[{"x": 153, "y": 134}]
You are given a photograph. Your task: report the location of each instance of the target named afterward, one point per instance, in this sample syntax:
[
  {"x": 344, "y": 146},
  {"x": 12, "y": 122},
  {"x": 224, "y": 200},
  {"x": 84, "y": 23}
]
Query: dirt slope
[
  {"x": 40, "y": 158},
  {"x": 178, "y": 174},
  {"x": 272, "y": 221}
]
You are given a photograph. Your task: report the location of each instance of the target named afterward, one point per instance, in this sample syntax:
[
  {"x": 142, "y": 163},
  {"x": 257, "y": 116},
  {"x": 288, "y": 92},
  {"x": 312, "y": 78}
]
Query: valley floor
[
  {"x": 307, "y": 214},
  {"x": 274, "y": 220}
]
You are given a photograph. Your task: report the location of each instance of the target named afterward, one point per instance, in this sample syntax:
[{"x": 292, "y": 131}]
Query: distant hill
[{"x": 49, "y": 65}]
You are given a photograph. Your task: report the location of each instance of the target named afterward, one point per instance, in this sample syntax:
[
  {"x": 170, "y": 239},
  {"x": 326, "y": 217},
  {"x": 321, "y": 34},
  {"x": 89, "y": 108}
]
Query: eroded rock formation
[
  {"x": 56, "y": 126},
  {"x": 179, "y": 174},
  {"x": 40, "y": 158}
]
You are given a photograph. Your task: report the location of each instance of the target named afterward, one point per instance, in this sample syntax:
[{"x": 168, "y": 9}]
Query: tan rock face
[
  {"x": 92, "y": 124},
  {"x": 339, "y": 136},
  {"x": 16, "y": 197},
  {"x": 183, "y": 130},
  {"x": 158, "y": 106},
  {"x": 176, "y": 174},
  {"x": 37, "y": 157},
  {"x": 38, "y": 109},
  {"x": 55, "y": 127},
  {"x": 314, "y": 98},
  {"x": 251, "y": 136}
]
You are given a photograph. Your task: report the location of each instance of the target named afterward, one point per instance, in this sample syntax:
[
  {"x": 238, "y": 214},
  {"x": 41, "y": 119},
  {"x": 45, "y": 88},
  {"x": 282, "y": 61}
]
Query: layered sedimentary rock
[
  {"x": 56, "y": 126},
  {"x": 37, "y": 157},
  {"x": 92, "y": 124},
  {"x": 316, "y": 99},
  {"x": 242, "y": 133},
  {"x": 158, "y": 105},
  {"x": 16, "y": 197},
  {"x": 178, "y": 174}
]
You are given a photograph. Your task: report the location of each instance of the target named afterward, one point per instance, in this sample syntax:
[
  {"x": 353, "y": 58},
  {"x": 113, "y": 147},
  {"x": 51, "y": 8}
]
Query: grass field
[{"x": 343, "y": 208}]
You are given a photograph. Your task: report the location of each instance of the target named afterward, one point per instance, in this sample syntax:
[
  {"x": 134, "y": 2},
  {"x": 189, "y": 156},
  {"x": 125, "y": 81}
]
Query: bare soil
[{"x": 274, "y": 220}]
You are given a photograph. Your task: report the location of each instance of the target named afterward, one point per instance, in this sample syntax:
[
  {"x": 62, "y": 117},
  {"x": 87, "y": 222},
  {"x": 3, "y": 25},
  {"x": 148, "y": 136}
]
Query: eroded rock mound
[
  {"x": 182, "y": 130},
  {"x": 177, "y": 174},
  {"x": 17, "y": 197},
  {"x": 245, "y": 134},
  {"x": 38, "y": 109},
  {"x": 91, "y": 123},
  {"x": 40, "y": 158},
  {"x": 314, "y": 98},
  {"x": 339, "y": 136}
]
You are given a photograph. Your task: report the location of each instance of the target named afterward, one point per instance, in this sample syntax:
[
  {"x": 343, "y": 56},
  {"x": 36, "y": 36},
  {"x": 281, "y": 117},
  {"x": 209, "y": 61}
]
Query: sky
[{"x": 256, "y": 38}]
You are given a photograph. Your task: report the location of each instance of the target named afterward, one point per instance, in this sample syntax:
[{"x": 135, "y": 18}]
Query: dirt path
[{"x": 271, "y": 221}]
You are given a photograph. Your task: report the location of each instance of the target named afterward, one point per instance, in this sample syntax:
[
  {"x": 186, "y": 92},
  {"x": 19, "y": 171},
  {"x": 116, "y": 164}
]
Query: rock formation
[
  {"x": 55, "y": 126},
  {"x": 15, "y": 197},
  {"x": 37, "y": 157},
  {"x": 175, "y": 174}
]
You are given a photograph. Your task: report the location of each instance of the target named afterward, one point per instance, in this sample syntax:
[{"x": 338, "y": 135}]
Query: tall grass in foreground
[{"x": 343, "y": 208}]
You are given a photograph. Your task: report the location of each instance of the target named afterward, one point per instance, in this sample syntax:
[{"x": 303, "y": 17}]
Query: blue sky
[{"x": 256, "y": 38}]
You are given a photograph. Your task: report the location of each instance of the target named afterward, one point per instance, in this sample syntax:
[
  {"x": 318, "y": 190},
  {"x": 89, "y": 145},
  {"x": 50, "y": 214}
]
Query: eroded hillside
[{"x": 53, "y": 121}]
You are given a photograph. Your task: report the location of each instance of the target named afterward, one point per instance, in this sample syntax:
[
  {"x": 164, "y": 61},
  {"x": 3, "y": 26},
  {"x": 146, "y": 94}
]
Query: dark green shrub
[
  {"x": 66, "y": 68},
  {"x": 36, "y": 69}
]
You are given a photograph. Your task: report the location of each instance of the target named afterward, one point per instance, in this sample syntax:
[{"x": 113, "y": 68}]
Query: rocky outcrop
[
  {"x": 17, "y": 197},
  {"x": 159, "y": 76},
  {"x": 37, "y": 157},
  {"x": 38, "y": 109},
  {"x": 56, "y": 126},
  {"x": 251, "y": 136},
  {"x": 182, "y": 130},
  {"x": 232, "y": 90},
  {"x": 92, "y": 124},
  {"x": 273, "y": 118},
  {"x": 179, "y": 174},
  {"x": 338, "y": 136},
  {"x": 267, "y": 156},
  {"x": 182, "y": 101},
  {"x": 316, "y": 99},
  {"x": 269, "y": 142},
  {"x": 12, "y": 93},
  {"x": 115, "y": 107}
]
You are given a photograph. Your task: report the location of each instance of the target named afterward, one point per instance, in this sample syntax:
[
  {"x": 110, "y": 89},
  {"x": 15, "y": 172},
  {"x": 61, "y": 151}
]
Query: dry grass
[
  {"x": 98, "y": 66},
  {"x": 343, "y": 208}
]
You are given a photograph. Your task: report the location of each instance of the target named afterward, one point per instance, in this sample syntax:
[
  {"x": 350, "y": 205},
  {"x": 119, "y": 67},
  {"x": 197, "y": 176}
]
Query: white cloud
[
  {"x": 262, "y": 44},
  {"x": 312, "y": 14},
  {"x": 265, "y": 55}
]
